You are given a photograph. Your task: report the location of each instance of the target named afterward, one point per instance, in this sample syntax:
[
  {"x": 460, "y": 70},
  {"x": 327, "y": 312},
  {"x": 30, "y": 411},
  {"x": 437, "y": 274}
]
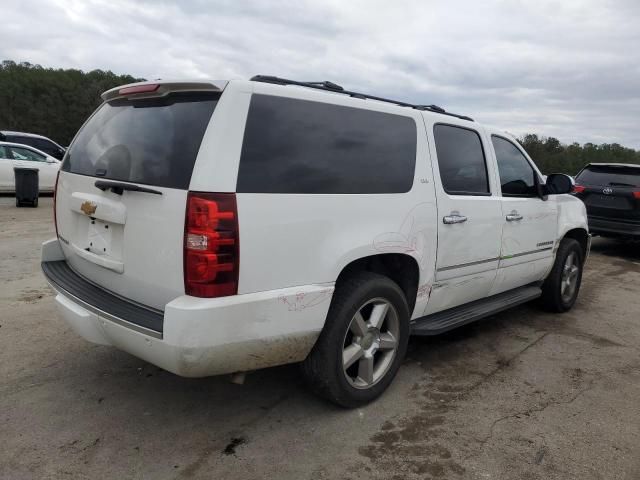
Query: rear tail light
[
  {"x": 211, "y": 245},
  {"x": 578, "y": 189},
  {"x": 636, "y": 195},
  {"x": 55, "y": 194}
]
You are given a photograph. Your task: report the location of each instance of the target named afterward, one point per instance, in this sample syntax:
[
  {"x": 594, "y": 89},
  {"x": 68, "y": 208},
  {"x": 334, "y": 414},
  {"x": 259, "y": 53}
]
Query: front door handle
[
  {"x": 454, "y": 217},
  {"x": 514, "y": 217}
]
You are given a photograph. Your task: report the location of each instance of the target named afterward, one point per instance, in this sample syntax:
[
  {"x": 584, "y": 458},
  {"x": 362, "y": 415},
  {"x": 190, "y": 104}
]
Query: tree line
[
  {"x": 51, "y": 102},
  {"x": 55, "y": 103},
  {"x": 551, "y": 156}
]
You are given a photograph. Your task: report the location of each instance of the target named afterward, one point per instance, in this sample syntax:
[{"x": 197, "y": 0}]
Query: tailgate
[{"x": 122, "y": 193}]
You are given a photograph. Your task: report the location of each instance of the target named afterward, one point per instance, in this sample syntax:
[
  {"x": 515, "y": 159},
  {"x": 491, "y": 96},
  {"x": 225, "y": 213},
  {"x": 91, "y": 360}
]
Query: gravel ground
[{"x": 524, "y": 395}]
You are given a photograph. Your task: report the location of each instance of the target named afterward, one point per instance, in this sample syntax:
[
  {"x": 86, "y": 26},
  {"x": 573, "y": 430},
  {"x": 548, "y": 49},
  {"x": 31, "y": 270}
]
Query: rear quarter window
[
  {"x": 300, "y": 146},
  {"x": 151, "y": 141}
]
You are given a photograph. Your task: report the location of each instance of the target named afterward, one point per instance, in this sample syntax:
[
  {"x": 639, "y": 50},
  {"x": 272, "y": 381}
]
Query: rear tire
[
  {"x": 363, "y": 342},
  {"x": 560, "y": 289}
]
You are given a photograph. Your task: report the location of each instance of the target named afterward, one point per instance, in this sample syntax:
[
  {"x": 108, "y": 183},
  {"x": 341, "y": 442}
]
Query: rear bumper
[
  {"x": 196, "y": 337},
  {"x": 601, "y": 226}
]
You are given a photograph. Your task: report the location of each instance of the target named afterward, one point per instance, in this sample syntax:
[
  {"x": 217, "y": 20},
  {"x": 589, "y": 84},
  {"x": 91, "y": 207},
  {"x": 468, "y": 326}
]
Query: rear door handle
[
  {"x": 454, "y": 217},
  {"x": 514, "y": 217}
]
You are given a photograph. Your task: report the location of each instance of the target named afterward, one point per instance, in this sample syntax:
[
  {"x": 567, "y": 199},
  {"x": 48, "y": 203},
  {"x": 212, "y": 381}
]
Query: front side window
[
  {"x": 517, "y": 178},
  {"x": 300, "y": 146},
  {"x": 461, "y": 161},
  {"x": 26, "y": 154}
]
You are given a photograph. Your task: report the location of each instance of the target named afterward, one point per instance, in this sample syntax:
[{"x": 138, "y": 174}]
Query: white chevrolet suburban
[{"x": 222, "y": 227}]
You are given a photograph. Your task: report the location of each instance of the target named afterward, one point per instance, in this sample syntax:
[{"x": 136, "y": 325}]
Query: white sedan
[{"x": 17, "y": 155}]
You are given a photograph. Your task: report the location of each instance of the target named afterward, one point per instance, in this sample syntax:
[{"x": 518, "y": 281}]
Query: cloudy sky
[{"x": 569, "y": 69}]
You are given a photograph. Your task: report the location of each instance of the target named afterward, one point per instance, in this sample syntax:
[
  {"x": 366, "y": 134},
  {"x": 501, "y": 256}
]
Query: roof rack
[{"x": 333, "y": 87}]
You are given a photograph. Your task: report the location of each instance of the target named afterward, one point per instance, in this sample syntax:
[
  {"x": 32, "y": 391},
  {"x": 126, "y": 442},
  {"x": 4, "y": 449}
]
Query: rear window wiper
[{"x": 120, "y": 187}]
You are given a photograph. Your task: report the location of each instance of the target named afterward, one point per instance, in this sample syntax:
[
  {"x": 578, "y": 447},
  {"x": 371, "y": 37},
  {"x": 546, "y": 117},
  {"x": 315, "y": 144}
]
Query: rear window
[
  {"x": 299, "y": 146},
  {"x": 151, "y": 141},
  {"x": 610, "y": 175}
]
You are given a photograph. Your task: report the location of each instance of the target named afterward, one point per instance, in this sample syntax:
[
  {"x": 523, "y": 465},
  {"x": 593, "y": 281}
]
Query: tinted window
[
  {"x": 610, "y": 175},
  {"x": 26, "y": 154},
  {"x": 4, "y": 152},
  {"x": 45, "y": 145},
  {"x": 461, "y": 161},
  {"x": 298, "y": 146},
  {"x": 23, "y": 140},
  {"x": 517, "y": 178},
  {"x": 152, "y": 141}
]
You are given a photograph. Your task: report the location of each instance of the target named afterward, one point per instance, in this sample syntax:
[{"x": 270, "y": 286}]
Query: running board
[{"x": 440, "y": 322}]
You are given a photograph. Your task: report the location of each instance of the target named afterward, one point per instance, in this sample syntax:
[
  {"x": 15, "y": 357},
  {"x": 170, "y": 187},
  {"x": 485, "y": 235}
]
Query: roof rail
[{"x": 333, "y": 87}]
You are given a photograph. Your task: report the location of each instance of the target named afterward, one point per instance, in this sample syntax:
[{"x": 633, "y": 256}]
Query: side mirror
[
  {"x": 51, "y": 160},
  {"x": 558, "y": 183}
]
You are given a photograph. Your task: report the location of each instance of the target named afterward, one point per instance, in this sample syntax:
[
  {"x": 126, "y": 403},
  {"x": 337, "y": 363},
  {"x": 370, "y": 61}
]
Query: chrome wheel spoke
[
  {"x": 387, "y": 341},
  {"x": 569, "y": 279},
  {"x": 378, "y": 315},
  {"x": 365, "y": 370},
  {"x": 358, "y": 325},
  {"x": 570, "y": 261},
  {"x": 351, "y": 354}
]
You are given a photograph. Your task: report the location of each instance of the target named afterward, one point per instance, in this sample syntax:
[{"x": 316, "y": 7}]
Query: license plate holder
[{"x": 99, "y": 237}]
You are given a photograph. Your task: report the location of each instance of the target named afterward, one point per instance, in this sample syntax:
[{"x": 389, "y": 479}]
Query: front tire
[
  {"x": 363, "y": 341},
  {"x": 560, "y": 289}
]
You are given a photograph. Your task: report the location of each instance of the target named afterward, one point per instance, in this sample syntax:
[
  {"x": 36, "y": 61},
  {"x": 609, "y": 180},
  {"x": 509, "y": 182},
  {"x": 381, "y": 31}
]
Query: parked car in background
[
  {"x": 611, "y": 193},
  {"x": 220, "y": 227},
  {"x": 16, "y": 155},
  {"x": 43, "y": 144}
]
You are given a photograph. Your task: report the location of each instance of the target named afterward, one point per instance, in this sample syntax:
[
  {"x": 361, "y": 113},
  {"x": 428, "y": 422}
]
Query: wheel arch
[
  {"x": 582, "y": 237},
  {"x": 401, "y": 268}
]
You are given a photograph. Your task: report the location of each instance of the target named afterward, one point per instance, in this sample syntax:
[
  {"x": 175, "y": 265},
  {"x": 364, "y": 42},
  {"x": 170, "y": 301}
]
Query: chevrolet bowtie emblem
[{"x": 88, "y": 207}]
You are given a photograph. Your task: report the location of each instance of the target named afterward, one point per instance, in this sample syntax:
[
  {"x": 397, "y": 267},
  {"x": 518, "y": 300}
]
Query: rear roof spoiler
[{"x": 161, "y": 88}]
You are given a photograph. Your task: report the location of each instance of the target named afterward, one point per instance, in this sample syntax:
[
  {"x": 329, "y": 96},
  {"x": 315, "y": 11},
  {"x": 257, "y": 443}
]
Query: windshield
[
  {"x": 151, "y": 141},
  {"x": 610, "y": 175}
]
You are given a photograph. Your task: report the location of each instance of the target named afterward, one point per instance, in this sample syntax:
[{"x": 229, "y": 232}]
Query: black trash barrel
[{"x": 27, "y": 188}]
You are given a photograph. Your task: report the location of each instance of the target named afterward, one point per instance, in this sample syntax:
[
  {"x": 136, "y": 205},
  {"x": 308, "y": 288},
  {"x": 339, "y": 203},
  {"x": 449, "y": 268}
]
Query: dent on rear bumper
[{"x": 215, "y": 336}]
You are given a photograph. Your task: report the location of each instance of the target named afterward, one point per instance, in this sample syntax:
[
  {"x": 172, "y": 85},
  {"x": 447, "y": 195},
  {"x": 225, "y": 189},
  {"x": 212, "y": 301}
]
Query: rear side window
[
  {"x": 517, "y": 178},
  {"x": 152, "y": 141},
  {"x": 461, "y": 161},
  {"x": 617, "y": 176},
  {"x": 299, "y": 146}
]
